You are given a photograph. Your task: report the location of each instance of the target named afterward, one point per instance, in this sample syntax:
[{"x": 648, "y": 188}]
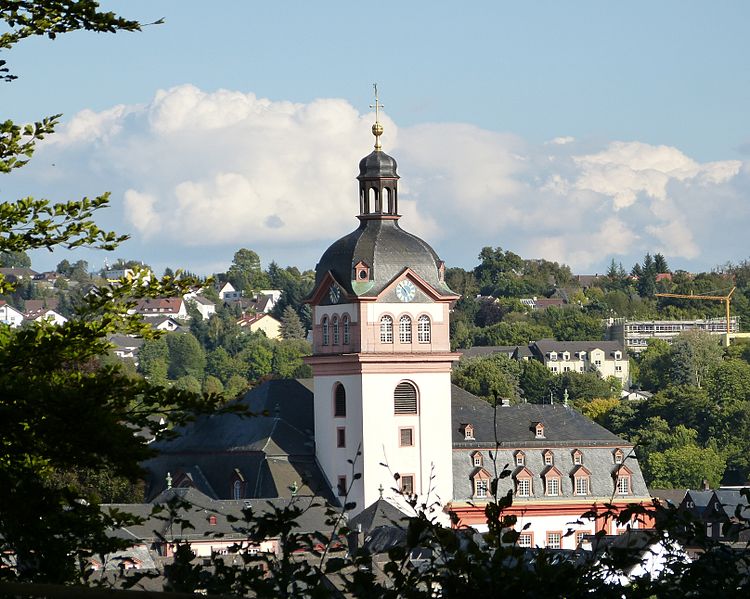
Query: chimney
[{"x": 704, "y": 485}]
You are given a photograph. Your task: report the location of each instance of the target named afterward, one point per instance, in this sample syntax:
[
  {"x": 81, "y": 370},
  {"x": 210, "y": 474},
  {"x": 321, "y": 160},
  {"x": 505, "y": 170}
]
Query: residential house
[
  {"x": 9, "y": 315},
  {"x": 163, "y": 306},
  {"x": 45, "y": 314},
  {"x": 204, "y": 305},
  {"x": 227, "y": 292},
  {"x": 542, "y": 303},
  {"x": 14, "y": 274},
  {"x": 126, "y": 346},
  {"x": 261, "y": 322},
  {"x": 606, "y": 357}
]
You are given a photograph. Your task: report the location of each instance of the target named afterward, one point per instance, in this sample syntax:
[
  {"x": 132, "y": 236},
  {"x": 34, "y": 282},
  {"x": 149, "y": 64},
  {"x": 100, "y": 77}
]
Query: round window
[{"x": 363, "y": 274}]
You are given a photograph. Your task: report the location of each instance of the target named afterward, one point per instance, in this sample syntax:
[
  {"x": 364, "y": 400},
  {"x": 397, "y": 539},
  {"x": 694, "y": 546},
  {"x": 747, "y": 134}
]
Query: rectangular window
[
  {"x": 623, "y": 485},
  {"x": 481, "y": 487},
  {"x": 553, "y": 540},
  {"x": 577, "y": 459},
  {"x": 553, "y": 486},
  {"x": 340, "y": 437},
  {"x": 582, "y": 485},
  {"x": 548, "y": 459},
  {"x": 407, "y": 484},
  {"x": 579, "y": 536},
  {"x": 618, "y": 368},
  {"x": 598, "y": 362},
  {"x": 566, "y": 369},
  {"x": 524, "y": 487},
  {"x": 478, "y": 460},
  {"x": 341, "y": 486},
  {"x": 520, "y": 459},
  {"x": 406, "y": 436},
  {"x": 525, "y": 539}
]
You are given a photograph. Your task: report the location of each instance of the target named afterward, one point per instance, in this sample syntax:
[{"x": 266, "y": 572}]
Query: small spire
[
  {"x": 169, "y": 480},
  {"x": 380, "y": 490},
  {"x": 377, "y": 128}
]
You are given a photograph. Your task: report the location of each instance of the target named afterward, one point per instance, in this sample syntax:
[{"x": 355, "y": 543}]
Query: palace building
[{"x": 381, "y": 419}]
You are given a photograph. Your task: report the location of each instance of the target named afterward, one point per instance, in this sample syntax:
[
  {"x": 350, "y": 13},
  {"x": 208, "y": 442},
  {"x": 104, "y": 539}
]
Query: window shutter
[{"x": 405, "y": 399}]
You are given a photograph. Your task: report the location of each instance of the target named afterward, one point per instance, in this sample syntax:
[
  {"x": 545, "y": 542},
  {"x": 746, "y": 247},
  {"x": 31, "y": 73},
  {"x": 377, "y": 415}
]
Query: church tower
[{"x": 381, "y": 353}]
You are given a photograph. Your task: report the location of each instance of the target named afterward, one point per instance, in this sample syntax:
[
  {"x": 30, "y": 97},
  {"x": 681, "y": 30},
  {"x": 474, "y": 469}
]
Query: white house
[
  {"x": 227, "y": 292},
  {"x": 46, "y": 314},
  {"x": 607, "y": 357},
  {"x": 205, "y": 306},
  {"x": 9, "y": 315}
]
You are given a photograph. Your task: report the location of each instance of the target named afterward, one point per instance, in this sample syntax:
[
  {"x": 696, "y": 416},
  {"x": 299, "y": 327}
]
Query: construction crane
[{"x": 722, "y": 298}]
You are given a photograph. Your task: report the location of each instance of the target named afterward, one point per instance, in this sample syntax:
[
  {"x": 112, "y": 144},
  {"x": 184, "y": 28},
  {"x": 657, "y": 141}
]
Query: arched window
[
  {"x": 339, "y": 401},
  {"x": 386, "y": 329},
  {"x": 404, "y": 329},
  {"x": 345, "y": 322},
  {"x": 405, "y": 399},
  {"x": 424, "y": 333},
  {"x": 324, "y": 326},
  {"x": 335, "y": 322},
  {"x": 237, "y": 490}
]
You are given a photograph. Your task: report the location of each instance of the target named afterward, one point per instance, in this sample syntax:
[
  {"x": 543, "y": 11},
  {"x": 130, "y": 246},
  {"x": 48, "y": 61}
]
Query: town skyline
[{"x": 594, "y": 151}]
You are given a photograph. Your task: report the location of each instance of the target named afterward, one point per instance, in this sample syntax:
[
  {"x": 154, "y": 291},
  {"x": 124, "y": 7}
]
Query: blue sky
[{"x": 574, "y": 131}]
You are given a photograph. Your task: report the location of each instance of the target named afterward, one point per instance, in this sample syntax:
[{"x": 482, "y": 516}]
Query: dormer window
[
  {"x": 477, "y": 459},
  {"x": 566, "y": 355},
  {"x": 481, "y": 480},
  {"x": 619, "y": 456},
  {"x": 520, "y": 458},
  {"x": 582, "y": 355},
  {"x": 212, "y": 520},
  {"x": 553, "y": 355},
  {"x": 577, "y": 457},
  {"x": 361, "y": 272},
  {"x": 468, "y": 430},
  {"x": 623, "y": 479},
  {"x": 552, "y": 483},
  {"x": 618, "y": 355},
  {"x": 539, "y": 430},
  {"x": 549, "y": 458}
]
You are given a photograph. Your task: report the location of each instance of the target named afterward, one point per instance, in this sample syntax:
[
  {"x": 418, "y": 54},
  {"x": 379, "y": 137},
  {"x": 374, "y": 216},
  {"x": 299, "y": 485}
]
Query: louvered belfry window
[{"x": 405, "y": 399}]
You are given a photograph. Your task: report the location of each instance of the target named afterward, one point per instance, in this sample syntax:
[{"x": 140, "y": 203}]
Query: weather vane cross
[
  {"x": 377, "y": 128},
  {"x": 377, "y": 104}
]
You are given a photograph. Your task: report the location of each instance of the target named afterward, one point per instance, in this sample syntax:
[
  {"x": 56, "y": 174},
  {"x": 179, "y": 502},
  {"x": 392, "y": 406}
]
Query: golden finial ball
[{"x": 377, "y": 129}]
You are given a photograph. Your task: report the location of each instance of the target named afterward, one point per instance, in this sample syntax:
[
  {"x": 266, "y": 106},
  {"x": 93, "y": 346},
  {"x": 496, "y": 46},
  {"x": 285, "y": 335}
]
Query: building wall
[
  {"x": 371, "y": 425},
  {"x": 607, "y": 365}
]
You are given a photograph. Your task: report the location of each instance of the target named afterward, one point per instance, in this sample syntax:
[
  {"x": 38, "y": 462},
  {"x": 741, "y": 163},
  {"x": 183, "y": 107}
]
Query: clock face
[
  {"x": 334, "y": 294},
  {"x": 405, "y": 291}
]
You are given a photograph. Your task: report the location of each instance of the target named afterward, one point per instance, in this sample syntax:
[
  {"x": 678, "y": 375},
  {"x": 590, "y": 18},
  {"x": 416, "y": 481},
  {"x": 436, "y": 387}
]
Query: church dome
[
  {"x": 377, "y": 164},
  {"x": 367, "y": 260},
  {"x": 384, "y": 250}
]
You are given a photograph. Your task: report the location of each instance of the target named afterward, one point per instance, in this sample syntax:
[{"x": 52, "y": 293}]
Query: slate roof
[
  {"x": 379, "y": 513},
  {"x": 312, "y": 519},
  {"x": 488, "y": 350},
  {"x": 565, "y": 431},
  {"x": 544, "y": 346},
  {"x": 696, "y": 501},
  {"x": 387, "y": 249},
  {"x": 515, "y": 424},
  {"x": 273, "y": 450}
]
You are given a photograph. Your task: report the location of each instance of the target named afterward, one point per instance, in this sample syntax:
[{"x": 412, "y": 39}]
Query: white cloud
[{"x": 193, "y": 169}]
